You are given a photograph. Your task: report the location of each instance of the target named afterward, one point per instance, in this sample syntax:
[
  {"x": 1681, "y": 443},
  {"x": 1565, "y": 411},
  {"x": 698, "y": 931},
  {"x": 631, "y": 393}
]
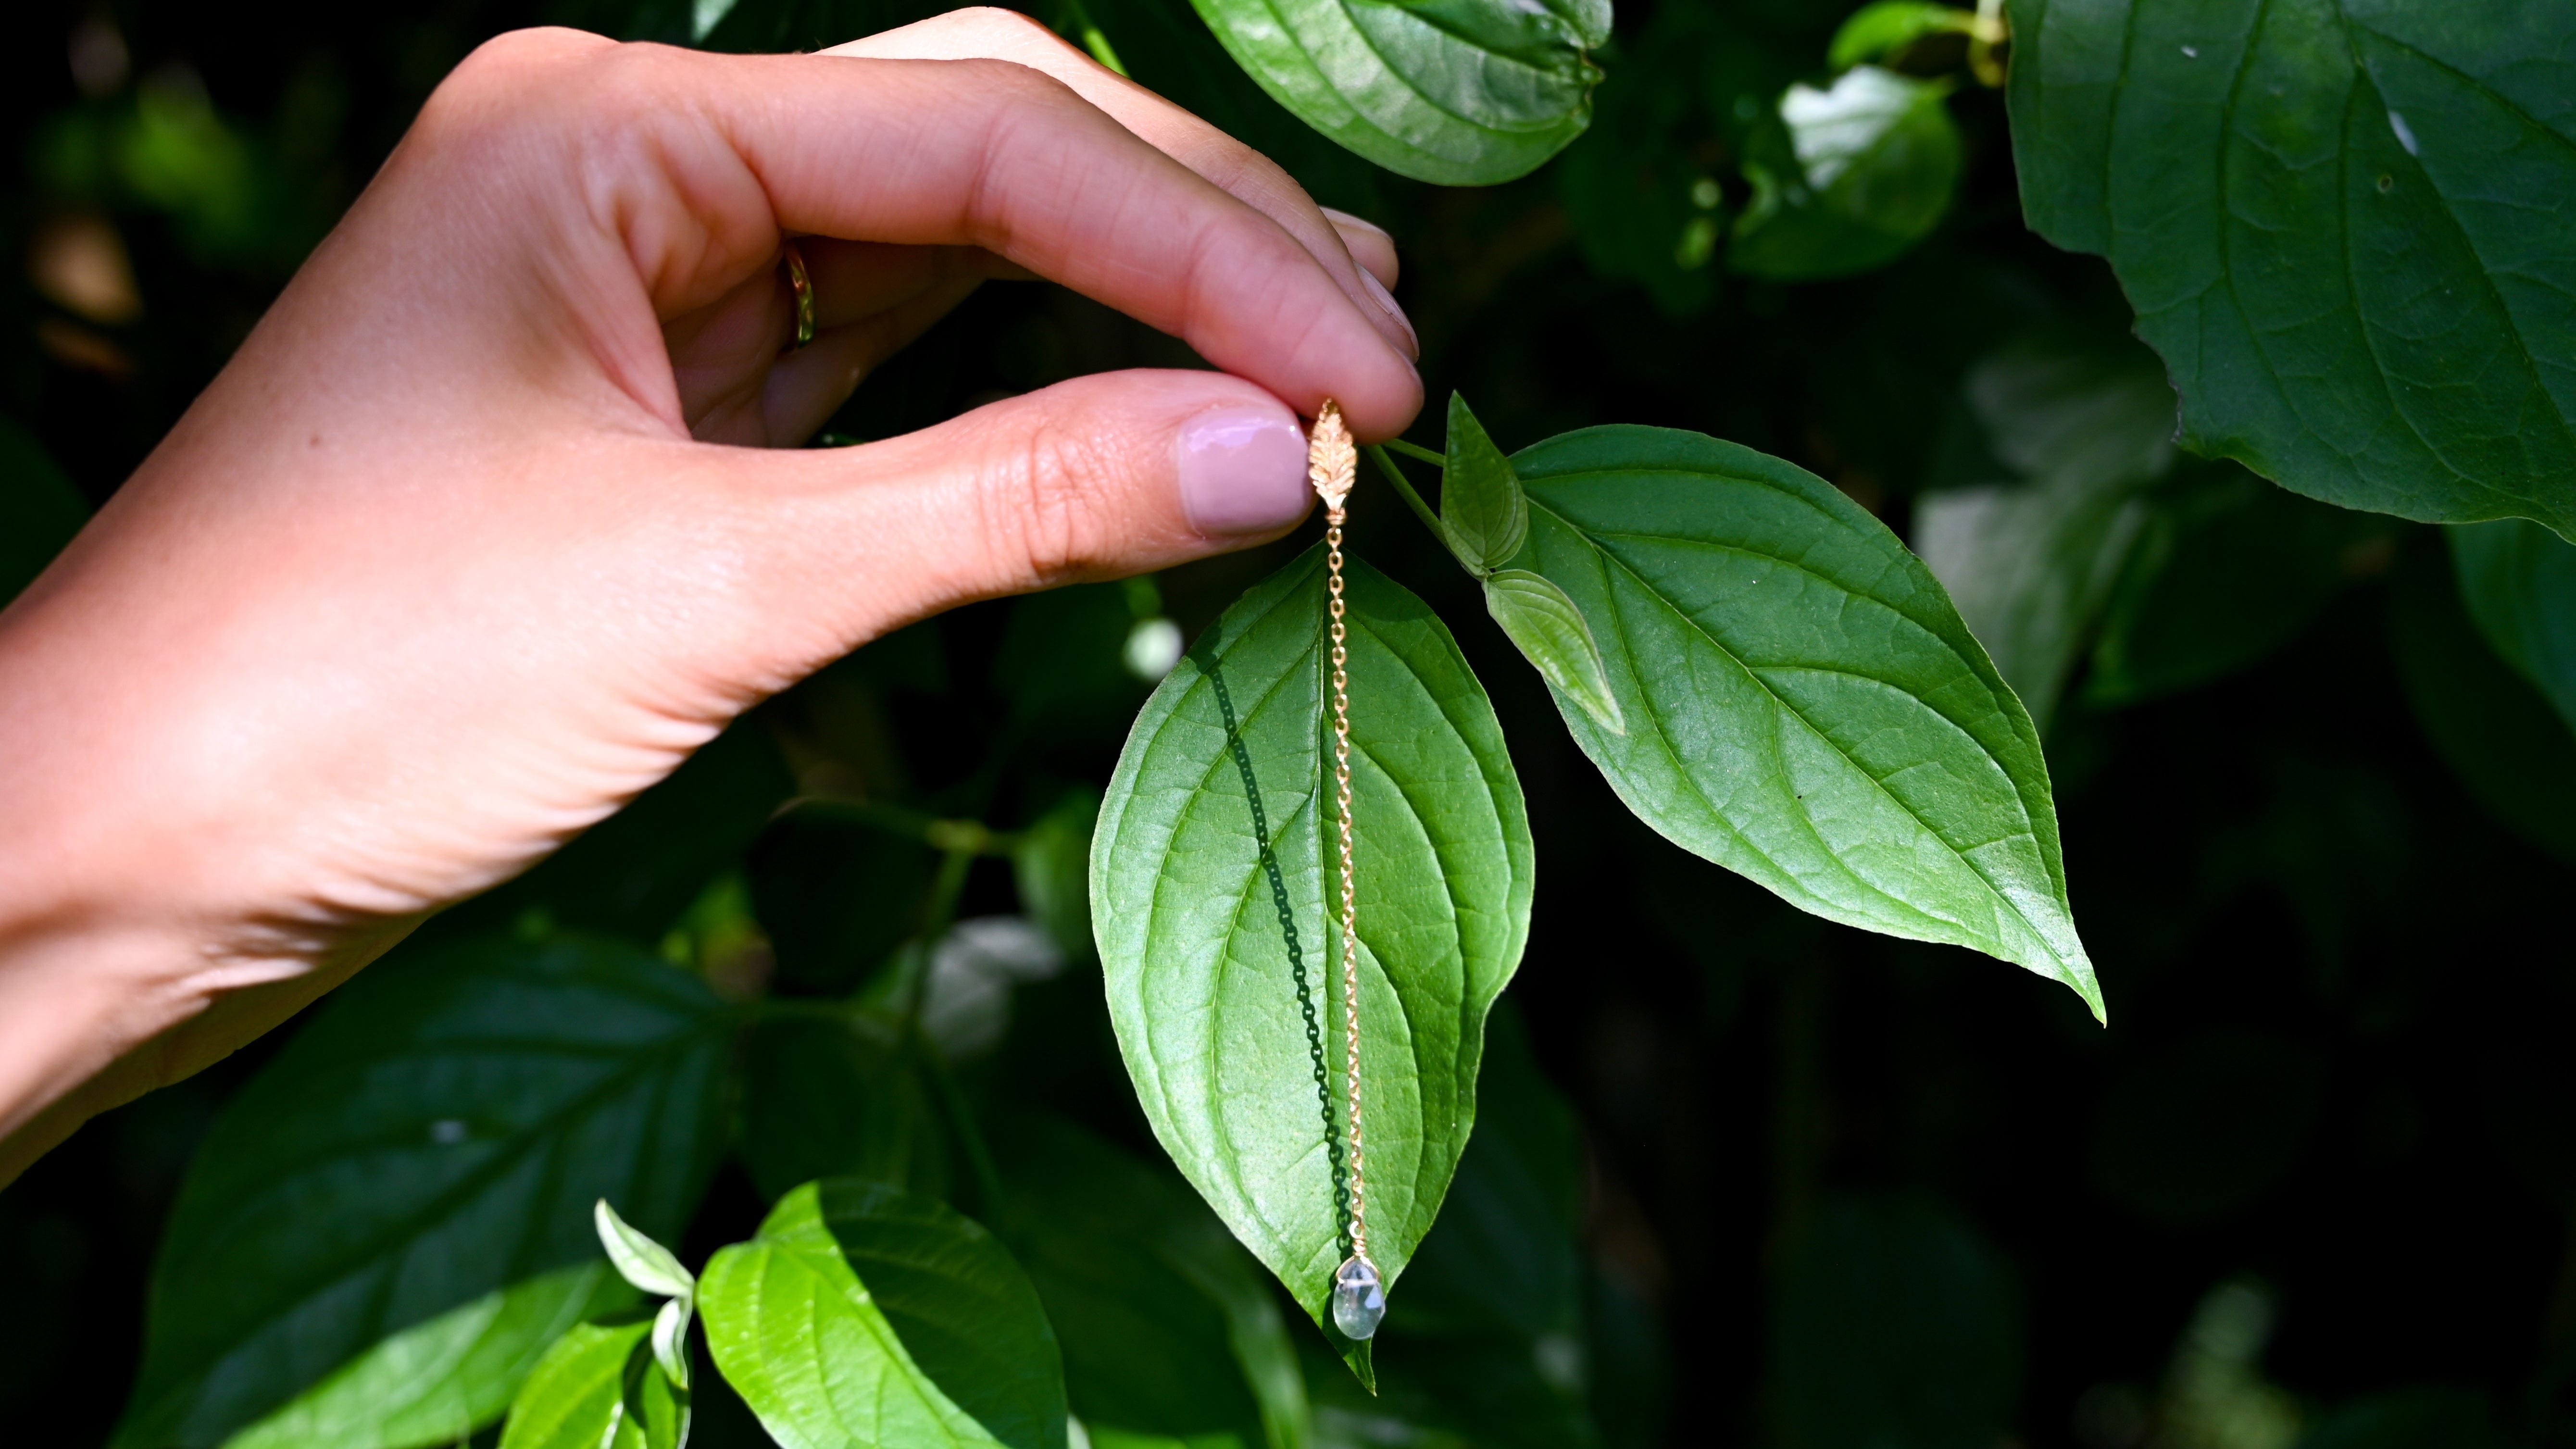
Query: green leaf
[
  {"x": 2326, "y": 215},
  {"x": 2499, "y": 735},
  {"x": 40, "y": 510},
  {"x": 1167, "y": 1324},
  {"x": 439, "y": 1131},
  {"x": 2227, "y": 569},
  {"x": 2030, "y": 566},
  {"x": 638, "y": 1259},
  {"x": 1885, "y": 27},
  {"x": 439, "y": 1381},
  {"x": 863, "y": 1318},
  {"x": 2519, "y": 582},
  {"x": 1481, "y": 507},
  {"x": 1894, "y": 1323},
  {"x": 1804, "y": 706},
  {"x": 1550, "y": 632},
  {"x": 1453, "y": 92},
  {"x": 1850, "y": 179},
  {"x": 1208, "y": 886},
  {"x": 599, "y": 1388},
  {"x": 1052, "y": 868},
  {"x": 827, "y": 1098}
]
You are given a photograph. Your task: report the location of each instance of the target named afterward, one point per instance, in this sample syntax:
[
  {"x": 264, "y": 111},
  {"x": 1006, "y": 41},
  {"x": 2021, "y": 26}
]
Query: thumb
[{"x": 1098, "y": 477}]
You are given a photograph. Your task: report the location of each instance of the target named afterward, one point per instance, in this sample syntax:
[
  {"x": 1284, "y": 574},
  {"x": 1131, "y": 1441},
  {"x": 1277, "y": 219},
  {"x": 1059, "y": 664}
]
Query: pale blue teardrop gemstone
[{"x": 1359, "y": 1301}]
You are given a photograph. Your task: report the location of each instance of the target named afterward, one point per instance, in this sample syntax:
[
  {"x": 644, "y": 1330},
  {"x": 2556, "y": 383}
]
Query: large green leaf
[
  {"x": 1454, "y": 92},
  {"x": 440, "y": 1131},
  {"x": 437, "y": 1382},
  {"x": 2519, "y": 581},
  {"x": 1803, "y": 704},
  {"x": 864, "y": 1318},
  {"x": 1168, "y": 1327},
  {"x": 1208, "y": 883},
  {"x": 2337, "y": 220}
]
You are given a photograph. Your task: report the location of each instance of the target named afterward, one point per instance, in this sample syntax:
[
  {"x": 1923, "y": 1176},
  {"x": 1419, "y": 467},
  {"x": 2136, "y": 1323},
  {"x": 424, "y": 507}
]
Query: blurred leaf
[
  {"x": 1803, "y": 705},
  {"x": 2205, "y": 1128},
  {"x": 2413, "y": 1418},
  {"x": 1168, "y": 1328},
  {"x": 824, "y": 1098},
  {"x": 634, "y": 873},
  {"x": 1850, "y": 179},
  {"x": 40, "y": 510},
  {"x": 1551, "y": 634},
  {"x": 1638, "y": 186},
  {"x": 2088, "y": 422},
  {"x": 2322, "y": 215},
  {"x": 2509, "y": 747},
  {"x": 1208, "y": 887},
  {"x": 1062, "y": 663},
  {"x": 2227, "y": 569},
  {"x": 437, "y": 1382},
  {"x": 2215, "y": 1392},
  {"x": 1457, "y": 92},
  {"x": 863, "y": 1318},
  {"x": 1884, "y": 28},
  {"x": 599, "y": 1388},
  {"x": 1483, "y": 512},
  {"x": 1052, "y": 868},
  {"x": 836, "y": 898},
  {"x": 1893, "y": 1323},
  {"x": 2519, "y": 582},
  {"x": 440, "y": 1130}
]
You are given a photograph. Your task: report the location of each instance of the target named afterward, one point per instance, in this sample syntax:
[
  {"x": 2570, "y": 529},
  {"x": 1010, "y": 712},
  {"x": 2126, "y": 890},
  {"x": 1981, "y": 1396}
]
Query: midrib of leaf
[
  {"x": 1397, "y": 73},
  {"x": 2043, "y": 937},
  {"x": 540, "y": 1137}
]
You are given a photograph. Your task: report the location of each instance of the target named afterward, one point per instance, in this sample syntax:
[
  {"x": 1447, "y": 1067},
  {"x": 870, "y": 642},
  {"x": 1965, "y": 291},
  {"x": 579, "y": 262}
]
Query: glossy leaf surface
[
  {"x": 1804, "y": 706},
  {"x": 437, "y": 1382},
  {"x": 2339, "y": 223},
  {"x": 1850, "y": 178},
  {"x": 861, "y": 1316},
  {"x": 1481, "y": 505},
  {"x": 1459, "y": 93},
  {"x": 1208, "y": 886},
  {"x": 599, "y": 1388},
  {"x": 439, "y": 1131},
  {"x": 2519, "y": 582}
]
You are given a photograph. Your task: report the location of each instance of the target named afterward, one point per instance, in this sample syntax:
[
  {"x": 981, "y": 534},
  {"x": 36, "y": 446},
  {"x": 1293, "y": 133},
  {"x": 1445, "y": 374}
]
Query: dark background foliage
[{"x": 1873, "y": 1193}]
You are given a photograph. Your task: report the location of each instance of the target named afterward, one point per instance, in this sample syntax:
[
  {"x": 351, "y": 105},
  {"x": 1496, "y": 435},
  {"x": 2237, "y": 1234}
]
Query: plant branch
[{"x": 1395, "y": 475}]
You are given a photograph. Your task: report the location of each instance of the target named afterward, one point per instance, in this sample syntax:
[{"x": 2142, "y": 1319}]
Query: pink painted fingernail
[{"x": 1243, "y": 470}]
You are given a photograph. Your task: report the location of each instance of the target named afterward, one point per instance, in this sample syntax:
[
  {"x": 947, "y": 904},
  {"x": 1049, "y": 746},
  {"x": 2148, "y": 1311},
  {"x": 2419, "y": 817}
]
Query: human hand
[{"x": 461, "y": 551}]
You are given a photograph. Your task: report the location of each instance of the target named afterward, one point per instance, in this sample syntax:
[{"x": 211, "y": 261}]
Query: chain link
[{"x": 1350, "y": 899}]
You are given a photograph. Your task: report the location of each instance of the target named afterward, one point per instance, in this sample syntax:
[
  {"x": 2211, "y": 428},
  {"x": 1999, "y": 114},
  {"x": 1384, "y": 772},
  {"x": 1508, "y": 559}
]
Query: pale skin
[{"x": 497, "y": 516}]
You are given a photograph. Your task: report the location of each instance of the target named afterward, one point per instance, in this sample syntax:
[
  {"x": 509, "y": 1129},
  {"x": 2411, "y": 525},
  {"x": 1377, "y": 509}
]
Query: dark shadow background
[{"x": 2332, "y": 1123}]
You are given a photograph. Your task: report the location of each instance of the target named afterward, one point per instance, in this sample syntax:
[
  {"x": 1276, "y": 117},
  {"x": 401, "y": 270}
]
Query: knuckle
[{"x": 1051, "y": 499}]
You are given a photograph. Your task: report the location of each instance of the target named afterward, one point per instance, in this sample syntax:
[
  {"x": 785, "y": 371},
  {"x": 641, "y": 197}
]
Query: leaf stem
[
  {"x": 1395, "y": 475},
  {"x": 971, "y": 836},
  {"x": 1417, "y": 452}
]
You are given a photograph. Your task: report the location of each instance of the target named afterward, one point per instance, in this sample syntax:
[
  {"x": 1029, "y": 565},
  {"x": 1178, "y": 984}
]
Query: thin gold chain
[{"x": 1332, "y": 465}]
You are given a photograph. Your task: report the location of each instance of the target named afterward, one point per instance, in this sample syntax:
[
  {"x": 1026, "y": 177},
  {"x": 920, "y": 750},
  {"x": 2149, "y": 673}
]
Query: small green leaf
[
  {"x": 2519, "y": 582},
  {"x": 1883, "y": 28},
  {"x": 599, "y": 1388},
  {"x": 1208, "y": 892},
  {"x": 671, "y": 1341},
  {"x": 1167, "y": 1324},
  {"x": 638, "y": 1259},
  {"x": 1549, "y": 631},
  {"x": 1803, "y": 704},
  {"x": 40, "y": 510},
  {"x": 1481, "y": 506},
  {"x": 863, "y": 1318},
  {"x": 439, "y": 1381},
  {"x": 1850, "y": 179},
  {"x": 1459, "y": 93},
  {"x": 438, "y": 1131},
  {"x": 2327, "y": 217}
]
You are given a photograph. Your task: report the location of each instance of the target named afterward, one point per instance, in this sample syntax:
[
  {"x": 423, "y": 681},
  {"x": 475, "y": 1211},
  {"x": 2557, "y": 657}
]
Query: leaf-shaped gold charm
[{"x": 1332, "y": 459}]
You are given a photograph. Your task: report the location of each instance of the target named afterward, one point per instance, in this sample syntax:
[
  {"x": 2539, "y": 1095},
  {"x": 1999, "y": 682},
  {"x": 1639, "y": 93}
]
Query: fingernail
[
  {"x": 1243, "y": 470},
  {"x": 1395, "y": 314}
]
